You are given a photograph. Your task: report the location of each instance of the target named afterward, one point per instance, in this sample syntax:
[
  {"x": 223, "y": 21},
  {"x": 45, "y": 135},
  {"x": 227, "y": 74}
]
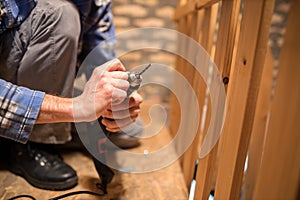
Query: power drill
[
  {"x": 105, "y": 173},
  {"x": 135, "y": 80}
]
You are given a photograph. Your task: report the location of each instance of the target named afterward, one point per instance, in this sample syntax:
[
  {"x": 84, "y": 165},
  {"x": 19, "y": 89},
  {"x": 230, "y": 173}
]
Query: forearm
[
  {"x": 18, "y": 111},
  {"x": 98, "y": 93},
  {"x": 55, "y": 109},
  {"x": 22, "y": 107}
]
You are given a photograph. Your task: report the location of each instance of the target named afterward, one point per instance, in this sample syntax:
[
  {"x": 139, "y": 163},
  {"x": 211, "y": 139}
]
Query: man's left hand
[{"x": 123, "y": 114}]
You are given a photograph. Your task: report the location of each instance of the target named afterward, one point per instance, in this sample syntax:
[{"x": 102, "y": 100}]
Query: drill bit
[
  {"x": 135, "y": 80},
  {"x": 144, "y": 69}
]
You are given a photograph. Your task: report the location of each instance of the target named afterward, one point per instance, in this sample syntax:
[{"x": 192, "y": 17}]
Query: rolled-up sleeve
[{"x": 19, "y": 109}]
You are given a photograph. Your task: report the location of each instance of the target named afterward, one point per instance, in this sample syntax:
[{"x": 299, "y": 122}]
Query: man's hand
[
  {"x": 105, "y": 87},
  {"x": 108, "y": 85},
  {"x": 123, "y": 114}
]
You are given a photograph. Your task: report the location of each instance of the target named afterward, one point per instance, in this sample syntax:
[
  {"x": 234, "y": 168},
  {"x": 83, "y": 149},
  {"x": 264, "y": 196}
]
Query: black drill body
[{"x": 106, "y": 174}]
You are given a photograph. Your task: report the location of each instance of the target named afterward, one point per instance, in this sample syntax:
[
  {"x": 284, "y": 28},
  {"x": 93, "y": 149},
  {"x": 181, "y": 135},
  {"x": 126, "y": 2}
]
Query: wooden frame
[
  {"x": 242, "y": 96},
  {"x": 282, "y": 144},
  {"x": 242, "y": 58}
]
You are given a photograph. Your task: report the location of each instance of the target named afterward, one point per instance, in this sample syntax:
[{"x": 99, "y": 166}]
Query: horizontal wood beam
[{"x": 192, "y": 6}]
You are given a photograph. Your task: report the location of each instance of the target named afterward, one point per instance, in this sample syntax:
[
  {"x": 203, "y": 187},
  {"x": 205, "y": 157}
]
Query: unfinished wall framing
[{"x": 242, "y": 55}]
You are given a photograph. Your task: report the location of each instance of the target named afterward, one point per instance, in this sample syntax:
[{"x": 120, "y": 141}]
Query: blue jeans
[{"x": 41, "y": 54}]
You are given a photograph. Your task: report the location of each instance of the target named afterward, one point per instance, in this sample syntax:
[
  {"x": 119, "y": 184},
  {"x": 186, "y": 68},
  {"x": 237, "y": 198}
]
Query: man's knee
[{"x": 52, "y": 51}]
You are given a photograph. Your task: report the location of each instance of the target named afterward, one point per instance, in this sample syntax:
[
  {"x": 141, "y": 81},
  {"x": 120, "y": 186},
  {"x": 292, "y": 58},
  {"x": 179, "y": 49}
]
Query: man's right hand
[{"x": 108, "y": 84}]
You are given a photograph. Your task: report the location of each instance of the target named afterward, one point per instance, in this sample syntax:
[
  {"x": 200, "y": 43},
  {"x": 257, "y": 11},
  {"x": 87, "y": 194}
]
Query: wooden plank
[
  {"x": 242, "y": 96},
  {"x": 186, "y": 26},
  {"x": 179, "y": 67},
  {"x": 259, "y": 127},
  {"x": 199, "y": 87},
  {"x": 279, "y": 173},
  {"x": 188, "y": 157},
  {"x": 224, "y": 48},
  {"x": 192, "y": 6},
  {"x": 183, "y": 10},
  {"x": 200, "y": 4},
  {"x": 205, "y": 175},
  {"x": 209, "y": 24},
  {"x": 226, "y": 36}
]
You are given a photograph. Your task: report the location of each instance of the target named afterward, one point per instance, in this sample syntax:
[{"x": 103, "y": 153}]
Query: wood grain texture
[
  {"x": 260, "y": 125},
  {"x": 242, "y": 96},
  {"x": 278, "y": 176}
]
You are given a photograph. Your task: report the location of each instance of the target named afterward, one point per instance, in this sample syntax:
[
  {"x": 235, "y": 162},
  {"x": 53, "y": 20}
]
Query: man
[{"x": 38, "y": 50}]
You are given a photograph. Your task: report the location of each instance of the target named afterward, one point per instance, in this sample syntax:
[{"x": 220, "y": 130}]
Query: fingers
[
  {"x": 108, "y": 85},
  {"x": 117, "y": 125},
  {"x": 115, "y": 65},
  {"x": 113, "y": 84},
  {"x": 118, "y": 96},
  {"x": 133, "y": 101},
  {"x": 123, "y": 117},
  {"x": 120, "y": 84},
  {"x": 118, "y": 75},
  {"x": 133, "y": 111},
  {"x": 128, "y": 107},
  {"x": 113, "y": 68},
  {"x": 99, "y": 73}
]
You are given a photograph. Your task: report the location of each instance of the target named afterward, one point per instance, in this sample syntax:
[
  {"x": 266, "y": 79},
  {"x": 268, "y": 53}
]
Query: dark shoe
[{"x": 40, "y": 168}]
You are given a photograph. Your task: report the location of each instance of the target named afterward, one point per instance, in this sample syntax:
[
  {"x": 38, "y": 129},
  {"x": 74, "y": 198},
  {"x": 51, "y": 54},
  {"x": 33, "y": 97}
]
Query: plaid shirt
[
  {"x": 19, "y": 108},
  {"x": 14, "y": 12}
]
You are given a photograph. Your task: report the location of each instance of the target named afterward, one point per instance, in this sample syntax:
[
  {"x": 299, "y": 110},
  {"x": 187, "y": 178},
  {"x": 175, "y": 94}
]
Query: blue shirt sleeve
[
  {"x": 19, "y": 109},
  {"x": 97, "y": 29},
  {"x": 14, "y": 12}
]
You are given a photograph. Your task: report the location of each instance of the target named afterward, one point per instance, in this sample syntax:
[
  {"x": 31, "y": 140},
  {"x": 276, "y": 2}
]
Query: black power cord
[
  {"x": 76, "y": 193},
  {"x": 61, "y": 196},
  {"x": 22, "y": 196}
]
